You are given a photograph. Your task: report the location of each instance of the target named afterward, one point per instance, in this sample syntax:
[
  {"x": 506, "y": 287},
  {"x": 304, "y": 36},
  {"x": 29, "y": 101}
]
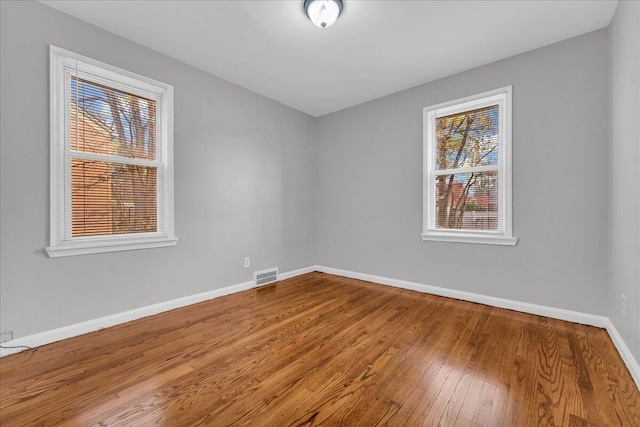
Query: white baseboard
[
  {"x": 81, "y": 328},
  {"x": 624, "y": 351},
  {"x": 541, "y": 310},
  {"x": 525, "y": 307},
  {"x": 298, "y": 272}
]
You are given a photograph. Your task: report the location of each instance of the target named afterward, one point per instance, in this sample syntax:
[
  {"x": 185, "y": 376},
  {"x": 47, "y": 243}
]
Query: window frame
[
  {"x": 504, "y": 235},
  {"x": 61, "y": 241}
]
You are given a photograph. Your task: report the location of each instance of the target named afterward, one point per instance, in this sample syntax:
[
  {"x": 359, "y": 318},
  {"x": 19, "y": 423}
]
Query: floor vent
[{"x": 265, "y": 277}]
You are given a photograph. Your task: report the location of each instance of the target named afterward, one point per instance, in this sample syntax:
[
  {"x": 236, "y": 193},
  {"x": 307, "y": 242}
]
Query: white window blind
[{"x": 111, "y": 158}]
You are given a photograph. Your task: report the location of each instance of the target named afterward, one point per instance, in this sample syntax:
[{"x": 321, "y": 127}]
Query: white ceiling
[{"x": 376, "y": 47}]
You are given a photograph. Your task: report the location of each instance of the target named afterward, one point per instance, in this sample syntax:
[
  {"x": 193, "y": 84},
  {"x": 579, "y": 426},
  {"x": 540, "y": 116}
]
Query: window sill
[
  {"x": 470, "y": 238},
  {"x": 84, "y": 248}
]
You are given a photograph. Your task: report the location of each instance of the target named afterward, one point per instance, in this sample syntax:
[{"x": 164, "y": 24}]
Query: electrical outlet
[
  {"x": 623, "y": 305},
  {"x": 247, "y": 262},
  {"x": 6, "y": 336}
]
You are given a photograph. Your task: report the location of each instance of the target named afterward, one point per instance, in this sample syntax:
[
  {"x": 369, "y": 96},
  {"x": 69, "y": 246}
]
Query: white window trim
[
  {"x": 504, "y": 235},
  {"x": 60, "y": 241}
]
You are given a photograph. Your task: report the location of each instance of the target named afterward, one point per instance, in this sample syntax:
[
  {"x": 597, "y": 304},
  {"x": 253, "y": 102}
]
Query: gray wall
[
  {"x": 624, "y": 184},
  {"x": 243, "y": 183},
  {"x": 369, "y": 194}
]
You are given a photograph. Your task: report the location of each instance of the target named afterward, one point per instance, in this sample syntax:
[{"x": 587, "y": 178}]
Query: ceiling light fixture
[{"x": 323, "y": 13}]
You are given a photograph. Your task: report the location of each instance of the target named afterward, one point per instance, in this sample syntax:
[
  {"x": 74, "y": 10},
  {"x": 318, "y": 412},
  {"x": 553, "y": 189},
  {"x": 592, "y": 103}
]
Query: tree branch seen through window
[{"x": 112, "y": 197}]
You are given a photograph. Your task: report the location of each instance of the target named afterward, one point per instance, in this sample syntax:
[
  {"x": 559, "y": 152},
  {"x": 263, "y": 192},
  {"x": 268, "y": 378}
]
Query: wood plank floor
[{"x": 321, "y": 350}]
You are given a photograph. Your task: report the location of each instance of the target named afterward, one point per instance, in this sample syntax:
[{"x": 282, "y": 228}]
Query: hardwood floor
[{"x": 325, "y": 350}]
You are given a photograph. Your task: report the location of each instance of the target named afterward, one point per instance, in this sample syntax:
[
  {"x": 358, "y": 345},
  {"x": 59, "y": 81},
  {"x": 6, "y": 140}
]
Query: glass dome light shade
[{"x": 323, "y": 13}]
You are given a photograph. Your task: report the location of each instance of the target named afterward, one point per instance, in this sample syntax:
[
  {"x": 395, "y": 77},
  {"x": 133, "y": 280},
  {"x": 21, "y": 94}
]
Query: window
[
  {"x": 111, "y": 158},
  {"x": 467, "y": 170}
]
